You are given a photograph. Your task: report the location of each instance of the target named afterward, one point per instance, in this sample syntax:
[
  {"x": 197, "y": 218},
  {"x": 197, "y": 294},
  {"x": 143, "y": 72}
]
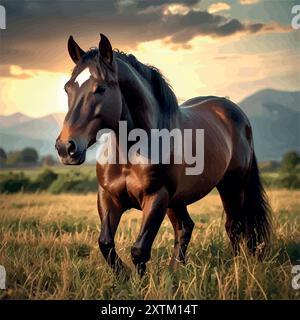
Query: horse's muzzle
[{"x": 70, "y": 152}]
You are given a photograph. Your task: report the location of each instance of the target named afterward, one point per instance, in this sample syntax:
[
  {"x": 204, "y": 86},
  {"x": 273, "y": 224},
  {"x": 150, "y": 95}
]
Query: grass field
[{"x": 48, "y": 245}]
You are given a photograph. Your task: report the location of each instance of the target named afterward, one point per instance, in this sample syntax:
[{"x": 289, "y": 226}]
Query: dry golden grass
[{"x": 48, "y": 245}]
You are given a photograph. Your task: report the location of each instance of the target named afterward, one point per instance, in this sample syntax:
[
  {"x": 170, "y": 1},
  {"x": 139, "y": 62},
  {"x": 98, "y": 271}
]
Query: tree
[
  {"x": 29, "y": 156},
  {"x": 13, "y": 158},
  {"x": 48, "y": 160},
  {"x": 290, "y": 160},
  {"x": 3, "y": 157}
]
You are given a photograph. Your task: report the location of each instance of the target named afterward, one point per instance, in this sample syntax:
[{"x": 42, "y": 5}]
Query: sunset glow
[
  {"x": 41, "y": 94},
  {"x": 197, "y": 60}
]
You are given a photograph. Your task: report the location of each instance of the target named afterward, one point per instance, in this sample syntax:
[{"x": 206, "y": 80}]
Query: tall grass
[{"x": 48, "y": 245}]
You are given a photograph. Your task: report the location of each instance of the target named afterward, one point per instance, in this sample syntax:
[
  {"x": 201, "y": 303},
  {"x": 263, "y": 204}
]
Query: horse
[{"x": 118, "y": 87}]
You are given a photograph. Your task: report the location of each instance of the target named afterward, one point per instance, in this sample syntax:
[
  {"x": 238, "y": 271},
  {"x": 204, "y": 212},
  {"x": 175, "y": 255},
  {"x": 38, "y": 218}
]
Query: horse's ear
[
  {"x": 105, "y": 49},
  {"x": 75, "y": 51}
]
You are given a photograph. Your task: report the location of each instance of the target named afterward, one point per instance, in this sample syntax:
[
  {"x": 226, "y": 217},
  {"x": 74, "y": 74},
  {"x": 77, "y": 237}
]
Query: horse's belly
[{"x": 192, "y": 188}]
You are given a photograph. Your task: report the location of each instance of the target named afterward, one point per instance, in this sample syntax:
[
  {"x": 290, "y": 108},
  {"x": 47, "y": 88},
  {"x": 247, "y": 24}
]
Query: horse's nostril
[{"x": 71, "y": 148}]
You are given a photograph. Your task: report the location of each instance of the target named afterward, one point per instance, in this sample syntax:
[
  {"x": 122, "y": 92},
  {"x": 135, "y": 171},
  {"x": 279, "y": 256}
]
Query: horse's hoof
[{"x": 140, "y": 269}]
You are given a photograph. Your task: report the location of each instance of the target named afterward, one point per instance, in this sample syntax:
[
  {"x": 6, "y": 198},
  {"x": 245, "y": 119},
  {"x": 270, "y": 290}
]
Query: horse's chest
[{"x": 130, "y": 182}]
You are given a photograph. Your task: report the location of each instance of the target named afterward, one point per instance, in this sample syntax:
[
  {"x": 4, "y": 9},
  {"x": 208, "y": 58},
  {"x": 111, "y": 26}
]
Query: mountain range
[
  {"x": 18, "y": 131},
  {"x": 274, "y": 115},
  {"x": 275, "y": 120}
]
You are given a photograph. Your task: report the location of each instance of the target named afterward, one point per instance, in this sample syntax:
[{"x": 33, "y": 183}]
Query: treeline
[
  {"x": 48, "y": 180},
  {"x": 28, "y": 157},
  {"x": 286, "y": 175}
]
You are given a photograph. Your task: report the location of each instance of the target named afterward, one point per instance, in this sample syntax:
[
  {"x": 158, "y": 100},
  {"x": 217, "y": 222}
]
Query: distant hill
[
  {"x": 45, "y": 128},
  {"x": 254, "y": 105},
  {"x": 275, "y": 120},
  {"x": 23, "y": 131},
  {"x": 11, "y": 142},
  {"x": 13, "y": 119},
  {"x": 274, "y": 115}
]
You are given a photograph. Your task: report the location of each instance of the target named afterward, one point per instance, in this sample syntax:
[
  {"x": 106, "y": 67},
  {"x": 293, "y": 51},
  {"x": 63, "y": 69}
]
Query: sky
[{"x": 229, "y": 48}]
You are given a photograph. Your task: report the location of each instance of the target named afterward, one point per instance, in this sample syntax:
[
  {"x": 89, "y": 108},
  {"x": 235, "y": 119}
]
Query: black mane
[{"x": 161, "y": 89}]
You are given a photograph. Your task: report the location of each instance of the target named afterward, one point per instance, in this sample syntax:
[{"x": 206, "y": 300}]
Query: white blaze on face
[{"x": 83, "y": 76}]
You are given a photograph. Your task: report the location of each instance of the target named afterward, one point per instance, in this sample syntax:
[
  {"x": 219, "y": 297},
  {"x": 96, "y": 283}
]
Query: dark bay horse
[{"x": 119, "y": 87}]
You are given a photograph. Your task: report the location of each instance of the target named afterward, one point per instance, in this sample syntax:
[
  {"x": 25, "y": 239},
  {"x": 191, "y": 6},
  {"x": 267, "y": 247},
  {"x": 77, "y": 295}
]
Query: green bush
[
  {"x": 13, "y": 182},
  {"x": 289, "y": 180},
  {"x": 73, "y": 182},
  {"x": 268, "y": 180},
  {"x": 45, "y": 179},
  {"x": 48, "y": 180},
  {"x": 84, "y": 186},
  {"x": 297, "y": 168},
  {"x": 290, "y": 160}
]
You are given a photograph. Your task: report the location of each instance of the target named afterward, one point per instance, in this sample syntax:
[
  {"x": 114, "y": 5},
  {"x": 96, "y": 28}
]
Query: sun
[{"x": 40, "y": 94}]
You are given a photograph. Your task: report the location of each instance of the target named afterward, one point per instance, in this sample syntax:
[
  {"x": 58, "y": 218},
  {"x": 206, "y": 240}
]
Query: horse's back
[
  {"x": 197, "y": 100},
  {"x": 217, "y": 107}
]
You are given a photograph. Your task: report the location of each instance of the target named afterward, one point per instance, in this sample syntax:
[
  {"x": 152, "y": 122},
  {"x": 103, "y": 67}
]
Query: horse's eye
[{"x": 100, "y": 90}]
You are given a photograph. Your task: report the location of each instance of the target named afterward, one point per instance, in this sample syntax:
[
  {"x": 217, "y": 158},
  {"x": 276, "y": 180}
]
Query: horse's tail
[{"x": 257, "y": 213}]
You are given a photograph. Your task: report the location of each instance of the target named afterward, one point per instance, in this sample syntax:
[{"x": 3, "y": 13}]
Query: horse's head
[{"x": 94, "y": 100}]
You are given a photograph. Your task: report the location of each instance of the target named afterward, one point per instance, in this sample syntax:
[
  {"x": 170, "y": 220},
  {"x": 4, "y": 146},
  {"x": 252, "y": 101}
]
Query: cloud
[
  {"x": 176, "y": 9},
  {"x": 247, "y": 2},
  {"x": 219, "y": 6},
  {"x": 36, "y": 34},
  {"x": 16, "y": 72}
]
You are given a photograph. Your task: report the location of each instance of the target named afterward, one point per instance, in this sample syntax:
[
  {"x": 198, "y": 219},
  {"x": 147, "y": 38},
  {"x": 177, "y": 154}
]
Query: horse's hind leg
[
  {"x": 183, "y": 227},
  {"x": 233, "y": 200}
]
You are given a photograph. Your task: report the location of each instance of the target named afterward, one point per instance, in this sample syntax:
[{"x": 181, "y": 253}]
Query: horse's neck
[{"x": 140, "y": 108}]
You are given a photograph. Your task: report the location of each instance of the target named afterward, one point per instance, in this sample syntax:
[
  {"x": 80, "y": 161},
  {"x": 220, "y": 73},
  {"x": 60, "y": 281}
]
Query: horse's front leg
[
  {"x": 110, "y": 212},
  {"x": 154, "y": 208}
]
